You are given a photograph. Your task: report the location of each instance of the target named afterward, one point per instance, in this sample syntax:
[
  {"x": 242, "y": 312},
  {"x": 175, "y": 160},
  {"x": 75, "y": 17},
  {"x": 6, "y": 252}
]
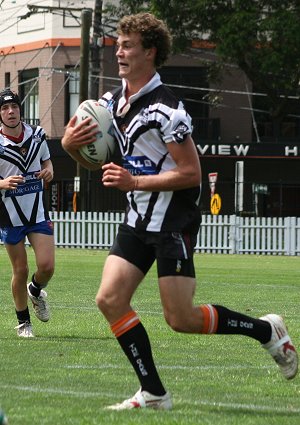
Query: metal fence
[{"x": 227, "y": 234}]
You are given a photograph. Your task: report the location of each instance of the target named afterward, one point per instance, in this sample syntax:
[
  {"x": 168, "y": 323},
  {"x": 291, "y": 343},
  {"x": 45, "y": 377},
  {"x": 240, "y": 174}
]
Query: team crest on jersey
[
  {"x": 23, "y": 151},
  {"x": 123, "y": 128},
  {"x": 180, "y": 131},
  {"x": 2, "y": 150}
]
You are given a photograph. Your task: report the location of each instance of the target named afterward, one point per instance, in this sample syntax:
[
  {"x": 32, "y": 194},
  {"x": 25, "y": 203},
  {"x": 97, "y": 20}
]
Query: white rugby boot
[
  {"x": 280, "y": 346},
  {"x": 143, "y": 399}
]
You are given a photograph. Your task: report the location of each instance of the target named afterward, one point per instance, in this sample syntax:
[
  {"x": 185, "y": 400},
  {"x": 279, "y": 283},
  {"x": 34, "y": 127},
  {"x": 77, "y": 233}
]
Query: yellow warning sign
[{"x": 215, "y": 204}]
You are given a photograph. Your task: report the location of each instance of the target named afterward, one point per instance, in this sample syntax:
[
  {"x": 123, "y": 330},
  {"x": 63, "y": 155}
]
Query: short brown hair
[{"x": 154, "y": 33}]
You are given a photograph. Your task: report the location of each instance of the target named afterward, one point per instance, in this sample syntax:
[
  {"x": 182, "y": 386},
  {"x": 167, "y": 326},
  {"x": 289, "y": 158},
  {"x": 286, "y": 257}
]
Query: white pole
[{"x": 239, "y": 186}]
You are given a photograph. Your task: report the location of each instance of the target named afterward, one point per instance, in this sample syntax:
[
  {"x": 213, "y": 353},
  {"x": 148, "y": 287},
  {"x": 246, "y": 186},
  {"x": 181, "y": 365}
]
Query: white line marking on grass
[
  {"x": 178, "y": 367},
  {"x": 55, "y": 391},
  {"x": 253, "y": 286},
  {"x": 251, "y": 407},
  {"x": 217, "y": 404},
  {"x": 93, "y": 308},
  {"x": 74, "y": 307}
]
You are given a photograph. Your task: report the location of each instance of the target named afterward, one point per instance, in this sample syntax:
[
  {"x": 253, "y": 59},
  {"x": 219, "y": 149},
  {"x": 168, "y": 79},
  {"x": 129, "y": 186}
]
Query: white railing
[
  {"x": 249, "y": 235},
  {"x": 218, "y": 234},
  {"x": 223, "y": 234}
]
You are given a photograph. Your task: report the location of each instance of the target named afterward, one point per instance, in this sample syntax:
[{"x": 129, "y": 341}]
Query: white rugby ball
[{"x": 100, "y": 151}]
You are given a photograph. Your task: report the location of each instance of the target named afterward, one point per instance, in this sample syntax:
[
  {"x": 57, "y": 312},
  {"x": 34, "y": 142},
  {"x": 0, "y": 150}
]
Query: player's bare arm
[
  {"x": 187, "y": 172},
  {"x": 77, "y": 136},
  {"x": 47, "y": 171}
]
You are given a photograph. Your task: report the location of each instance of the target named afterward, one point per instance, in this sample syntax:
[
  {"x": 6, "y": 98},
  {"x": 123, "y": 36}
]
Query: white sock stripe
[
  {"x": 128, "y": 323},
  {"x": 211, "y": 318}
]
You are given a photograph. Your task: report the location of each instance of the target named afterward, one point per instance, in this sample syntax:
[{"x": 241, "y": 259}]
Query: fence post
[
  {"x": 289, "y": 235},
  {"x": 83, "y": 226},
  {"x": 232, "y": 232}
]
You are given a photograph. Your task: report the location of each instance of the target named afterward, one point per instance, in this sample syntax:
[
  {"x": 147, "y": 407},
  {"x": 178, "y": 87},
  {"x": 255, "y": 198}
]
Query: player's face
[
  {"x": 133, "y": 59},
  {"x": 10, "y": 114}
]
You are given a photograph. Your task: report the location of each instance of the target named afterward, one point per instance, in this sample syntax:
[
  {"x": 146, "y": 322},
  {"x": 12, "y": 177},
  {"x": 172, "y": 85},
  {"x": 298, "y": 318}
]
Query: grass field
[{"x": 74, "y": 367}]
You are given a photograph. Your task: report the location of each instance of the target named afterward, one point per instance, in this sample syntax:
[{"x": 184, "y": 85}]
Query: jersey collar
[{"x": 151, "y": 85}]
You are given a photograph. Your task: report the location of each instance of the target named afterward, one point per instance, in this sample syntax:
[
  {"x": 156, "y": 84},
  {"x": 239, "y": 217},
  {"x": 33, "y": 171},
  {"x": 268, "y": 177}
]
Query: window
[
  {"x": 29, "y": 93},
  {"x": 72, "y": 94},
  {"x": 7, "y": 79}
]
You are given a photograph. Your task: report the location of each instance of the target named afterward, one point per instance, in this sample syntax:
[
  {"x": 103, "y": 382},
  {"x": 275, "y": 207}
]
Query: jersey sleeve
[
  {"x": 177, "y": 125},
  {"x": 39, "y": 136},
  {"x": 45, "y": 153}
]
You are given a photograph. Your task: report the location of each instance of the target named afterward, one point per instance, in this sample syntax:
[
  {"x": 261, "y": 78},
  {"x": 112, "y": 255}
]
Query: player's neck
[
  {"x": 134, "y": 86},
  {"x": 12, "y": 132}
]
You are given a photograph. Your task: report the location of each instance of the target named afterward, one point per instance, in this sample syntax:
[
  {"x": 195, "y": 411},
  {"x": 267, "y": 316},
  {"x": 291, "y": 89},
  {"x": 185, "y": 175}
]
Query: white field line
[
  {"x": 178, "y": 367},
  {"x": 94, "y": 308},
  {"x": 81, "y": 394}
]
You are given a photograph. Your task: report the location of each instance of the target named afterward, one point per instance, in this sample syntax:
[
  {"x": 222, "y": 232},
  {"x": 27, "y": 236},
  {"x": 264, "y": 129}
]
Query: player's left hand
[
  {"x": 116, "y": 176},
  {"x": 45, "y": 174}
]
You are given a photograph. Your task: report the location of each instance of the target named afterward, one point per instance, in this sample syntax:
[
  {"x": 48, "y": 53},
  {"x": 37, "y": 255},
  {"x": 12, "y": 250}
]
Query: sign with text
[{"x": 250, "y": 150}]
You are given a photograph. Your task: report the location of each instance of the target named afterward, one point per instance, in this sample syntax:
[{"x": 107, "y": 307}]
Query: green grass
[{"x": 74, "y": 367}]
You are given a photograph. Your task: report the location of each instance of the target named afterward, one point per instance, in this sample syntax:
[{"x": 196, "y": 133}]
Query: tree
[{"x": 262, "y": 37}]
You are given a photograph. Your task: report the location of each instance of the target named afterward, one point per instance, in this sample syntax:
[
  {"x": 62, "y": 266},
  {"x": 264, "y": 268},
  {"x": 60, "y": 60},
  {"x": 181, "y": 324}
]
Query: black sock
[
  {"x": 232, "y": 322},
  {"x": 34, "y": 287},
  {"x": 23, "y": 316},
  {"x": 136, "y": 345}
]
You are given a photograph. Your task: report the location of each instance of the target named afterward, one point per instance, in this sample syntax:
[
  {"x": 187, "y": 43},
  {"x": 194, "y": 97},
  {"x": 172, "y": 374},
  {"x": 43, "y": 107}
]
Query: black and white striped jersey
[
  {"x": 152, "y": 118},
  {"x": 25, "y": 204}
]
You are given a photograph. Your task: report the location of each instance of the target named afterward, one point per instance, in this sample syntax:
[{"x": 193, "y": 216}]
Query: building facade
[{"x": 40, "y": 52}]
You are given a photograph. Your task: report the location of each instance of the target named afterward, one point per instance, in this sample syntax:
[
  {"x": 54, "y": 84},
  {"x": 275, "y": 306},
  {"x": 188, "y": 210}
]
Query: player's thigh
[
  {"x": 128, "y": 262},
  {"x": 44, "y": 249},
  {"x": 120, "y": 280},
  {"x": 18, "y": 256},
  {"x": 176, "y": 293},
  {"x": 134, "y": 247}
]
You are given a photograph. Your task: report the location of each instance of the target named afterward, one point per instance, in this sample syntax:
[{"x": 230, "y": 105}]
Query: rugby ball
[{"x": 100, "y": 151}]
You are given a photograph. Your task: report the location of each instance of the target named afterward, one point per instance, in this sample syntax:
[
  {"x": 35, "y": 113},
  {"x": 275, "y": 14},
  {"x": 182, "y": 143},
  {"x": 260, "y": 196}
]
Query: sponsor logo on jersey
[
  {"x": 31, "y": 185},
  {"x": 139, "y": 165}
]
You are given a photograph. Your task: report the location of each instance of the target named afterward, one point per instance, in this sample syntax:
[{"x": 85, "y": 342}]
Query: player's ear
[{"x": 151, "y": 53}]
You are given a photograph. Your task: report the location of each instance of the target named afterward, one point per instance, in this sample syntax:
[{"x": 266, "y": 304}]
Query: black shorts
[{"x": 173, "y": 251}]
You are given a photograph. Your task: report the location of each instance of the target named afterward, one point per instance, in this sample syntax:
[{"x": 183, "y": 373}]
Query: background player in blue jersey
[
  {"x": 25, "y": 165},
  {"x": 162, "y": 177}
]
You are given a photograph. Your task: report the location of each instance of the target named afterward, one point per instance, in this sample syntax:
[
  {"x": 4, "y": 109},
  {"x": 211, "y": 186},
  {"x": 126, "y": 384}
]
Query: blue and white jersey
[
  {"x": 144, "y": 126},
  {"x": 25, "y": 204}
]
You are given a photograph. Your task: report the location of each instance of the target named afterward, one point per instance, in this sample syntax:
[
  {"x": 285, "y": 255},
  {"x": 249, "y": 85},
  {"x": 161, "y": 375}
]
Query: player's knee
[
  {"x": 103, "y": 303},
  {"x": 46, "y": 269},
  {"x": 98, "y": 301},
  {"x": 109, "y": 304},
  {"x": 174, "y": 322},
  {"x": 21, "y": 271}
]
